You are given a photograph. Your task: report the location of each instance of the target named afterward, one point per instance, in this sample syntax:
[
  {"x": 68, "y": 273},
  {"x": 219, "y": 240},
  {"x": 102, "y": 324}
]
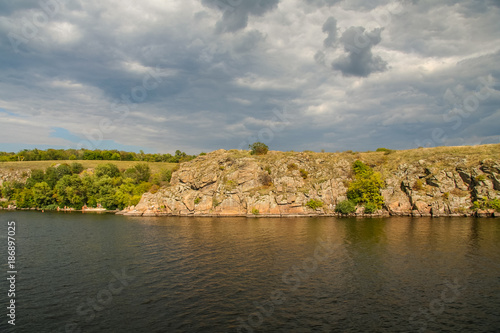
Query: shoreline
[{"x": 479, "y": 213}]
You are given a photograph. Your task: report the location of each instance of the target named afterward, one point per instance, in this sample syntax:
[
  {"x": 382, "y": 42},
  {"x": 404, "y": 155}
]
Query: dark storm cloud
[
  {"x": 7, "y": 7},
  {"x": 236, "y": 12},
  {"x": 322, "y": 3},
  {"x": 211, "y": 90},
  {"x": 249, "y": 41},
  {"x": 360, "y": 61},
  {"x": 330, "y": 27}
]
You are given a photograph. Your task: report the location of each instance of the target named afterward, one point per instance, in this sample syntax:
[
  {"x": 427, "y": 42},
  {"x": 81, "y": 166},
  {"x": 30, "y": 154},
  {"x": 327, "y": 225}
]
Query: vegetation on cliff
[{"x": 439, "y": 181}]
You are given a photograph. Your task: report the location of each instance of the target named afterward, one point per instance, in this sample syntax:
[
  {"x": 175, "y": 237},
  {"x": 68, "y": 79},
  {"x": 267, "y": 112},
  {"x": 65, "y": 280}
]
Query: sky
[{"x": 200, "y": 75}]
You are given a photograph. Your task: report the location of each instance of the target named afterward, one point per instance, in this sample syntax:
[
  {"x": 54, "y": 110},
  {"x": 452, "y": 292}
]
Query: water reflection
[{"x": 203, "y": 274}]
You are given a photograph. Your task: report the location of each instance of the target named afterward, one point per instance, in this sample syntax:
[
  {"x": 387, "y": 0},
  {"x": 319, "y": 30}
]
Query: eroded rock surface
[{"x": 234, "y": 183}]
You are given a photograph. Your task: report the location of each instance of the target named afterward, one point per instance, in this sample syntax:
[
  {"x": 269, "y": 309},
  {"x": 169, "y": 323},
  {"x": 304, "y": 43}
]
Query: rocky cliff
[{"x": 442, "y": 181}]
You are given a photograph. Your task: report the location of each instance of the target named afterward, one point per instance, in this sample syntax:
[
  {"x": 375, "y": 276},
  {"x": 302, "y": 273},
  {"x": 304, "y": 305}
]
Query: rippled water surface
[{"x": 107, "y": 273}]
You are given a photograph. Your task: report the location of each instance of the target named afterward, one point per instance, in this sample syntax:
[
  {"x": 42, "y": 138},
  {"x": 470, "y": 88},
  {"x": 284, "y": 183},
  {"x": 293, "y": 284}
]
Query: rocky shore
[{"x": 444, "y": 181}]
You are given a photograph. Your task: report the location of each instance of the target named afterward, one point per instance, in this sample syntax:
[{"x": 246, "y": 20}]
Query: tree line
[
  {"x": 69, "y": 185},
  {"x": 86, "y": 154}
]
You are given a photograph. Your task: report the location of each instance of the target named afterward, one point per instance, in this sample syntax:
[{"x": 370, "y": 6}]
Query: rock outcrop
[
  {"x": 421, "y": 182},
  {"x": 14, "y": 175}
]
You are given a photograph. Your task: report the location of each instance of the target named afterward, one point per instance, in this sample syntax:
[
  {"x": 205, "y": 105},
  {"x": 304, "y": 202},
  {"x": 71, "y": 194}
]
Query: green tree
[
  {"x": 37, "y": 176},
  {"x": 69, "y": 191},
  {"x": 63, "y": 170},
  {"x": 103, "y": 191},
  {"x": 51, "y": 176},
  {"x": 107, "y": 169},
  {"x": 258, "y": 148},
  {"x": 139, "y": 173},
  {"x": 24, "y": 198},
  {"x": 366, "y": 186},
  {"x": 42, "y": 195},
  {"x": 76, "y": 168}
]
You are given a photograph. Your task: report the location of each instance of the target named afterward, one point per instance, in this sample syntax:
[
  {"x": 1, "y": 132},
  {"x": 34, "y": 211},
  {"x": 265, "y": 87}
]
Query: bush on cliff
[
  {"x": 314, "y": 204},
  {"x": 485, "y": 203},
  {"x": 345, "y": 207},
  {"x": 258, "y": 148},
  {"x": 370, "y": 208},
  {"x": 365, "y": 188}
]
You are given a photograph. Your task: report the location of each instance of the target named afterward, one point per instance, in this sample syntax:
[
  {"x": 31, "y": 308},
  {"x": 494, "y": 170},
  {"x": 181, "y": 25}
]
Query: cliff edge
[{"x": 442, "y": 181}]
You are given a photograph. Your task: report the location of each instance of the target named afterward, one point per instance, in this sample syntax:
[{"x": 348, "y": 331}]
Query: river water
[{"x": 106, "y": 273}]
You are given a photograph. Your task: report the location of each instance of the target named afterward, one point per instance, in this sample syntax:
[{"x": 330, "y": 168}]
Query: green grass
[{"x": 156, "y": 167}]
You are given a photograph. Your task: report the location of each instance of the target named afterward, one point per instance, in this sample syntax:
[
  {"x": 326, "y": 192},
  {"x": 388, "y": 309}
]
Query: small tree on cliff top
[{"x": 258, "y": 148}]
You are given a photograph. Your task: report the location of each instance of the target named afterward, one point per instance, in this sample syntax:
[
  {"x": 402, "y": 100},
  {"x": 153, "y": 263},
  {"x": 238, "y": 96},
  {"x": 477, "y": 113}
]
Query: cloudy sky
[{"x": 199, "y": 75}]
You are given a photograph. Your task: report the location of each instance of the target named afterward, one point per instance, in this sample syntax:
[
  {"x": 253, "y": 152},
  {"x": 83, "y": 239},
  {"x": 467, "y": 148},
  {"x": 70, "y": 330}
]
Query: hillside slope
[{"x": 443, "y": 181}]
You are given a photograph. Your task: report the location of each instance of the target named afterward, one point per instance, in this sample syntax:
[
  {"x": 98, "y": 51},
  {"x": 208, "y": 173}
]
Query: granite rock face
[{"x": 235, "y": 183}]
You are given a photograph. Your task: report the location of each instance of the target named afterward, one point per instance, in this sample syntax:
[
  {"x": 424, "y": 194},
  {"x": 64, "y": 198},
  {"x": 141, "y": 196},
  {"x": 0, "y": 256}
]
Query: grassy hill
[{"x": 42, "y": 165}]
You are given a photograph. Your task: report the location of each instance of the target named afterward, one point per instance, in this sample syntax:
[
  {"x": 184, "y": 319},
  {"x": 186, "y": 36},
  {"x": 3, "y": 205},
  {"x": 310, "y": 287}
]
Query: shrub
[
  {"x": 304, "y": 173},
  {"x": 385, "y": 150},
  {"x": 446, "y": 195},
  {"x": 197, "y": 200},
  {"x": 142, "y": 188},
  {"x": 154, "y": 189},
  {"x": 166, "y": 175},
  {"x": 481, "y": 178},
  {"x": 139, "y": 173},
  {"x": 459, "y": 192},
  {"x": 370, "y": 208},
  {"x": 107, "y": 169},
  {"x": 485, "y": 203},
  {"x": 313, "y": 204},
  {"x": 418, "y": 185},
  {"x": 268, "y": 169},
  {"x": 76, "y": 168},
  {"x": 345, "y": 207},
  {"x": 361, "y": 169},
  {"x": 51, "y": 207},
  {"x": 366, "y": 186},
  {"x": 258, "y": 148},
  {"x": 255, "y": 211},
  {"x": 292, "y": 166},
  {"x": 265, "y": 179},
  {"x": 495, "y": 204}
]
